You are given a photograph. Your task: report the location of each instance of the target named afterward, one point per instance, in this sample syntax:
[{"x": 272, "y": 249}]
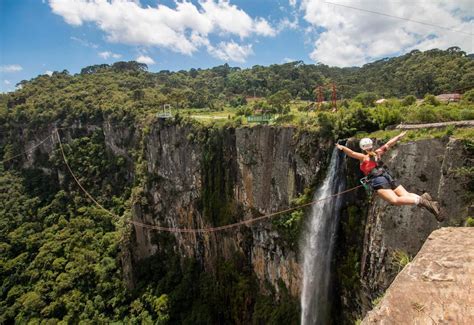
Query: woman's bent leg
[
  {"x": 401, "y": 191},
  {"x": 391, "y": 197}
]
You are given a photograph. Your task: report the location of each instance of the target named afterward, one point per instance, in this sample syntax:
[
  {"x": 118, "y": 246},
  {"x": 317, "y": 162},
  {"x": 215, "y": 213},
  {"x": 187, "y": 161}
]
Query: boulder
[{"x": 437, "y": 287}]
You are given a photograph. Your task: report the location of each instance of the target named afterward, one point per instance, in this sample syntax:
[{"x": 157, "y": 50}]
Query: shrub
[
  {"x": 450, "y": 130},
  {"x": 385, "y": 116},
  {"x": 244, "y": 111},
  {"x": 431, "y": 100},
  {"x": 469, "y": 222},
  {"x": 422, "y": 114},
  {"x": 326, "y": 125},
  {"x": 356, "y": 120},
  {"x": 469, "y": 96},
  {"x": 400, "y": 258},
  {"x": 366, "y": 99},
  {"x": 466, "y": 114},
  {"x": 237, "y": 101},
  {"x": 377, "y": 300},
  {"x": 409, "y": 100}
]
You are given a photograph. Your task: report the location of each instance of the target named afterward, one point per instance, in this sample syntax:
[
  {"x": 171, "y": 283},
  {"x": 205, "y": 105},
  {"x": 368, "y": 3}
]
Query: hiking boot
[
  {"x": 431, "y": 206},
  {"x": 427, "y": 196},
  {"x": 439, "y": 217}
]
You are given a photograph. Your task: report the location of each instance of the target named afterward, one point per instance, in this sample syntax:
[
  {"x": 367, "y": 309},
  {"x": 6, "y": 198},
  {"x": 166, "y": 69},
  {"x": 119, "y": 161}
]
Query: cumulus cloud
[
  {"x": 145, "y": 59},
  {"x": 353, "y": 37},
  {"x": 107, "y": 54},
  {"x": 49, "y": 72},
  {"x": 7, "y": 82},
  {"x": 11, "y": 68},
  {"x": 231, "y": 51},
  {"x": 182, "y": 29}
]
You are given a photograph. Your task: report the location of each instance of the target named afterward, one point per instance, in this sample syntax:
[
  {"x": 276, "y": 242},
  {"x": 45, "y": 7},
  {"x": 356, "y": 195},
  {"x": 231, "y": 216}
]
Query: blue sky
[{"x": 41, "y": 36}]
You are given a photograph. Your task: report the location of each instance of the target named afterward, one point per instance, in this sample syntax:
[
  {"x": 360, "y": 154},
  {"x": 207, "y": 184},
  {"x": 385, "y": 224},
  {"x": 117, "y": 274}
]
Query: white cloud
[
  {"x": 262, "y": 27},
  {"x": 49, "y": 72},
  {"x": 7, "y": 82},
  {"x": 107, "y": 54},
  {"x": 353, "y": 37},
  {"x": 288, "y": 60},
  {"x": 11, "y": 68},
  {"x": 182, "y": 29},
  {"x": 145, "y": 59},
  {"x": 287, "y": 23},
  {"x": 231, "y": 51},
  {"x": 84, "y": 42}
]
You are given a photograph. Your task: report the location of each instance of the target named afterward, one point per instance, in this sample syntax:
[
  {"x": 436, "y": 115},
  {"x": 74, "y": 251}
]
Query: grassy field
[{"x": 229, "y": 114}]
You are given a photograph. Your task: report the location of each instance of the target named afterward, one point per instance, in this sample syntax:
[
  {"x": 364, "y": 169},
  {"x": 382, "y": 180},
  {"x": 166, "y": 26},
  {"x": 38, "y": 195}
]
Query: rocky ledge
[{"x": 437, "y": 287}]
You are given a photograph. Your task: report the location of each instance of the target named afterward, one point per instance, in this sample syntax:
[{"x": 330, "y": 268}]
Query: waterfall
[{"x": 318, "y": 246}]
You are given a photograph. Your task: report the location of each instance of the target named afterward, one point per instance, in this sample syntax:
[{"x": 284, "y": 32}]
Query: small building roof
[{"x": 449, "y": 97}]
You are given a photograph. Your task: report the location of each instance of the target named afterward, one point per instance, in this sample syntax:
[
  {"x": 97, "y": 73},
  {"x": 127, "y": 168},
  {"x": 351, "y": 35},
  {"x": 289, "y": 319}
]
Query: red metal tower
[
  {"x": 334, "y": 97},
  {"x": 320, "y": 96},
  {"x": 319, "y": 91}
]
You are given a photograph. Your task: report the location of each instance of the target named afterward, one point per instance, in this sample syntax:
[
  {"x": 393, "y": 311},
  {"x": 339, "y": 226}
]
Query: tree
[
  {"x": 94, "y": 68},
  {"x": 122, "y": 66},
  {"x": 366, "y": 99},
  {"x": 280, "y": 101}
]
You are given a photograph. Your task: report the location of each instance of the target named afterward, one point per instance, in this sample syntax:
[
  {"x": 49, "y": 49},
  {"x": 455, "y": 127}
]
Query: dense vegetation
[
  {"x": 60, "y": 256},
  {"x": 128, "y": 85}
]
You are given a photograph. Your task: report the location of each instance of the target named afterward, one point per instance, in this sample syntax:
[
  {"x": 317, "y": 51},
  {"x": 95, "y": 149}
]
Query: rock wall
[{"x": 199, "y": 178}]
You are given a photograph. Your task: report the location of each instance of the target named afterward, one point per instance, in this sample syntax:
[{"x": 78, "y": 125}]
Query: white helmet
[{"x": 366, "y": 144}]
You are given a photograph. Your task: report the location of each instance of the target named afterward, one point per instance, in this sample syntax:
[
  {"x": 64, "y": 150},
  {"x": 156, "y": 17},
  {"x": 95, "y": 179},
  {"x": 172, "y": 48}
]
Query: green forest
[{"x": 60, "y": 255}]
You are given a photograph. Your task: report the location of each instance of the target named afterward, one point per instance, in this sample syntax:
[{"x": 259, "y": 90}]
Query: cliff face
[
  {"x": 188, "y": 176},
  {"x": 433, "y": 166},
  {"x": 204, "y": 178}
]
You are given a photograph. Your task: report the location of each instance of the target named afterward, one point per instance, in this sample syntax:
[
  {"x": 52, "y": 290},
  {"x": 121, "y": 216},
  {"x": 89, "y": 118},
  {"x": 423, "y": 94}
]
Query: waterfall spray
[{"x": 318, "y": 246}]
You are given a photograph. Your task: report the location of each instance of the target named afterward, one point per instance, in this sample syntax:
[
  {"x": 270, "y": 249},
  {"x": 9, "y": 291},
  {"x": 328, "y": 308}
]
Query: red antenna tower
[
  {"x": 334, "y": 97},
  {"x": 320, "y": 96},
  {"x": 319, "y": 91}
]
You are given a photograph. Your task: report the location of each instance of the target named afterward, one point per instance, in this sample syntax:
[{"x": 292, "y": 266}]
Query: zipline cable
[
  {"x": 29, "y": 150},
  {"x": 397, "y": 17},
  {"x": 241, "y": 223},
  {"x": 77, "y": 181},
  {"x": 191, "y": 230}
]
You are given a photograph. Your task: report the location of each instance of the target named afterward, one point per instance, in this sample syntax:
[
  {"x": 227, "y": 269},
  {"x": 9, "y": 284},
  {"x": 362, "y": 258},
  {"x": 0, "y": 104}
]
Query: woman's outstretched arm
[
  {"x": 350, "y": 153},
  {"x": 394, "y": 140}
]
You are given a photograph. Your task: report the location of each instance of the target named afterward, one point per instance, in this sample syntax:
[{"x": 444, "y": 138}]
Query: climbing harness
[{"x": 365, "y": 181}]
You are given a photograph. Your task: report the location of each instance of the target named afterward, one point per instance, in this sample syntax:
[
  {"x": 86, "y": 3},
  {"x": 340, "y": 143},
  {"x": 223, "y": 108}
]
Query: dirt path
[{"x": 468, "y": 123}]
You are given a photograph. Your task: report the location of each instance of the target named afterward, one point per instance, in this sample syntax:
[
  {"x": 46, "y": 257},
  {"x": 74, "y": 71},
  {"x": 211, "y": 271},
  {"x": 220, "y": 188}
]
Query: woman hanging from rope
[{"x": 382, "y": 182}]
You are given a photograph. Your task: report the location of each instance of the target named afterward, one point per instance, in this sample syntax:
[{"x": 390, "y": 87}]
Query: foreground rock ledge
[{"x": 437, "y": 287}]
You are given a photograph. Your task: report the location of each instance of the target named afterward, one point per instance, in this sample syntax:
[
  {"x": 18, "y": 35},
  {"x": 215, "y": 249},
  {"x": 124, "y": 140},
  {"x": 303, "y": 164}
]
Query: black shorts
[{"x": 384, "y": 181}]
